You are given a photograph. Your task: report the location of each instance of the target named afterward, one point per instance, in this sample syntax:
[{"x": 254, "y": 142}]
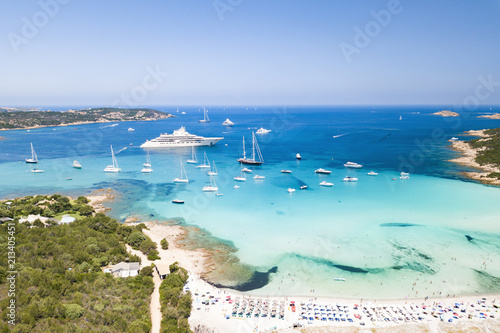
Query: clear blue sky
[{"x": 263, "y": 52}]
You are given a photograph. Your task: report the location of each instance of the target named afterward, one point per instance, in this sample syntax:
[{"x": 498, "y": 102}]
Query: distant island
[
  {"x": 482, "y": 153},
  {"x": 446, "y": 113},
  {"x": 490, "y": 116},
  {"x": 14, "y": 118}
]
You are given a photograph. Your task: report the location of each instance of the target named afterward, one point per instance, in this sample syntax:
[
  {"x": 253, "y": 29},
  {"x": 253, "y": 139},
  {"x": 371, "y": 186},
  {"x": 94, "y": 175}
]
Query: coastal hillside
[
  {"x": 59, "y": 285},
  {"x": 488, "y": 147},
  {"x": 14, "y": 119},
  {"x": 482, "y": 153}
]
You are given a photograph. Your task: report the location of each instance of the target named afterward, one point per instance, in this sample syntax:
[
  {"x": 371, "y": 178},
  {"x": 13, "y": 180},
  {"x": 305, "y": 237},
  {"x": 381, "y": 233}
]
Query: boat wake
[
  {"x": 340, "y": 135},
  {"x": 119, "y": 151},
  {"x": 112, "y": 125}
]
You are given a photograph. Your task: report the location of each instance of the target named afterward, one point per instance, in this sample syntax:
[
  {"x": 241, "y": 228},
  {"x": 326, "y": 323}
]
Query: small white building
[
  {"x": 123, "y": 269},
  {"x": 67, "y": 219}
]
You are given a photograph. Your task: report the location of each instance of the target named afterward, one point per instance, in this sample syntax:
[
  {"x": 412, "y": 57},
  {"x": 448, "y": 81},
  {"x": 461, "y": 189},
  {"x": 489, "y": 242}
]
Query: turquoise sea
[{"x": 435, "y": 233}]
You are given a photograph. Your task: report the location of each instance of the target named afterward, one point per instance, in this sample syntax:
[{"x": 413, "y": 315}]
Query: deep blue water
[{"x": 381, "y": 227}]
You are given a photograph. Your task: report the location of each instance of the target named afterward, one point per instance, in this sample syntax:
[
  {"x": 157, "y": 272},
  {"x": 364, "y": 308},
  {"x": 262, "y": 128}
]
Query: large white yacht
[{"x": 180, "y": 138}]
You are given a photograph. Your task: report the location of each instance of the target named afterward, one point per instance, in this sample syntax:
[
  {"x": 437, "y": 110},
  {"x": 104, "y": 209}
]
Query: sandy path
[{"x": 155, "y": 306}]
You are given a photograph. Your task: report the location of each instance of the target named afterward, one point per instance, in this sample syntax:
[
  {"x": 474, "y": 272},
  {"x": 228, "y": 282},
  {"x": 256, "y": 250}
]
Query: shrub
[
  {"x": 153, "y": 255},
  {"x": 73, "y": 311},
  {"x": 164, "y": 244},
  {"x": 147, "y": 271}
]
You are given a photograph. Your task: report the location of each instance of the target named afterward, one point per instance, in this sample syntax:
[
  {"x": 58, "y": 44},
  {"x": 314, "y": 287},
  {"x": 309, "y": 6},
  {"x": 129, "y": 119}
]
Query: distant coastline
[
  {"x": 15, "y": 120},
  {"x": 490, "y": 171},
  {"x": 446, "y": 113}
]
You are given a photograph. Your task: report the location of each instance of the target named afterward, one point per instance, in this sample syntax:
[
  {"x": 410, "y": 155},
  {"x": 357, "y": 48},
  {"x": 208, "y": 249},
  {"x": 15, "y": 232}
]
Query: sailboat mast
[
  {"x": 253, "y": 146},
  {"x": 244, "y": 153}
]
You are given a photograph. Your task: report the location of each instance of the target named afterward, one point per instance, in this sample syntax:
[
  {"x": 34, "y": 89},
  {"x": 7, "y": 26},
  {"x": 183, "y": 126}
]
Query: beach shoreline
[
  {"x": 213, "y": 307},
  {"x": 79, "y": 123},
  {"x": 217, "y": 315},
  {"x": 468, "y": 159}
]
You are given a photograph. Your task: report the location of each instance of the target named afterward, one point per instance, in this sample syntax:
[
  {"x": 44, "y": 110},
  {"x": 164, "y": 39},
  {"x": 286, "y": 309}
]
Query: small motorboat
[
  {"x": 291, "y": 190},
  {"x": 321, "y": 170},
  {"x": 339, "y": 279},
  {"x": 297, "y": 156},
  {"x": 228, "y": 122},
  {"x": 258, "y": 177},
  {"x": 286, "y": 171},
  {"x": 325, "y": 183},
  {"x": 130, "y": 129},
  {"x": 262, "y": 130},
  {"x": 76, "y": 165},
  {"x": 404, "y": 175},
  {"x": 36, "y": 170},
  {"x": 178, "y": 201},
  {"x": 218, "y": 194},
  {"x": 236, "y": 186},
  {"x": 350, "y": 179},
  {"x": 246, "y": 170},
  {"x": 353, "y": 165},
  {"x": 371, "y": 173},
  {"x": 303, "y": 187}
]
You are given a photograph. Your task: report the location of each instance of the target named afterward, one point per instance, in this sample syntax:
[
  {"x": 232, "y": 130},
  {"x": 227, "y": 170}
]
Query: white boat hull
[{"x": 205, "y": 142}]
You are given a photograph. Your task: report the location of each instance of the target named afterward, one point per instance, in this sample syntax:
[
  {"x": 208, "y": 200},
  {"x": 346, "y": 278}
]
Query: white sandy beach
[{"x": 224, "y": 310}]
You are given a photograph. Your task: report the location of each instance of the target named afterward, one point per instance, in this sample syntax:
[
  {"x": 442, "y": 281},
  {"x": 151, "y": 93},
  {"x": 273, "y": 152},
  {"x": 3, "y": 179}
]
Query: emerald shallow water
[{"x": 387, "y": 238}]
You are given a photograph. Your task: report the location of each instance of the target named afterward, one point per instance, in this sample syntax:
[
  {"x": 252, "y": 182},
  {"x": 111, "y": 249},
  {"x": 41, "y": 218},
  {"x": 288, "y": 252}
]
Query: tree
[
  {"x": 153, "y": 255},
  {"x": 135, "y": 239},
  {"x": 82, "y": 200},
  {"x": 164, "y": 244},
  {"x": 38, "y": 223},
  {"x": 73, "y": 311},
  {"x": 147, "y": 271}
]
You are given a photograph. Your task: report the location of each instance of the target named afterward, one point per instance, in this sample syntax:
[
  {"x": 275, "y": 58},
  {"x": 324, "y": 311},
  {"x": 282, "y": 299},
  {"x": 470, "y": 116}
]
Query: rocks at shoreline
[
  {"x": 469, "y": 159},
  {"x": 446, "y": 113}
]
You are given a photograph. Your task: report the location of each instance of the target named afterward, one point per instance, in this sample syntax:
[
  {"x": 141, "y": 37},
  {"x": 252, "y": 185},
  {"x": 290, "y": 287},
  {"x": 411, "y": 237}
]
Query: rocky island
[
  {"x": 482, "y": 153},
  {"x": 490, "y": 116},
  {"x": 11, "y": 118},
  {"x": 446, "y": 113}
]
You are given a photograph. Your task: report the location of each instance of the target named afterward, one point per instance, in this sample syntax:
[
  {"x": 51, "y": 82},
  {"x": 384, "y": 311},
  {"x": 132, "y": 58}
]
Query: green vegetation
[
  {"x": 138, "y": 241},
  {"x": 12, "y": 119},
  {"x": 489, "y": 147},
  {"x": 175, "y": 304},
  {"x": 164, "y": 244},
  {"x": 47, "y": 206},
  {"x": 60, "y": 286}
]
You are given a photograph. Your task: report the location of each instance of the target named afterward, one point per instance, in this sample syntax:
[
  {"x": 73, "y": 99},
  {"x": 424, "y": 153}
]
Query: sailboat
[
  {"x": 400, "y": 118},
  {"x": 114, "y": 167},
  {"x": 205, "y": 117},
  {"x": 184, "y": 177},
  {"x": 213, "y": 171},
  {"x": 76, "y": 165},
  {"x": 193, "y": 159},
  {"x": 148, "y": 161},
  {"x": 206, "y": 162},
  {"x": 34, "y": 158},
  {"x": 147, "y": 166},
  {"x": 241, "y": 177},
  {"x": 212, "y": 187},
  {"x": 255, "y": 149}
]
